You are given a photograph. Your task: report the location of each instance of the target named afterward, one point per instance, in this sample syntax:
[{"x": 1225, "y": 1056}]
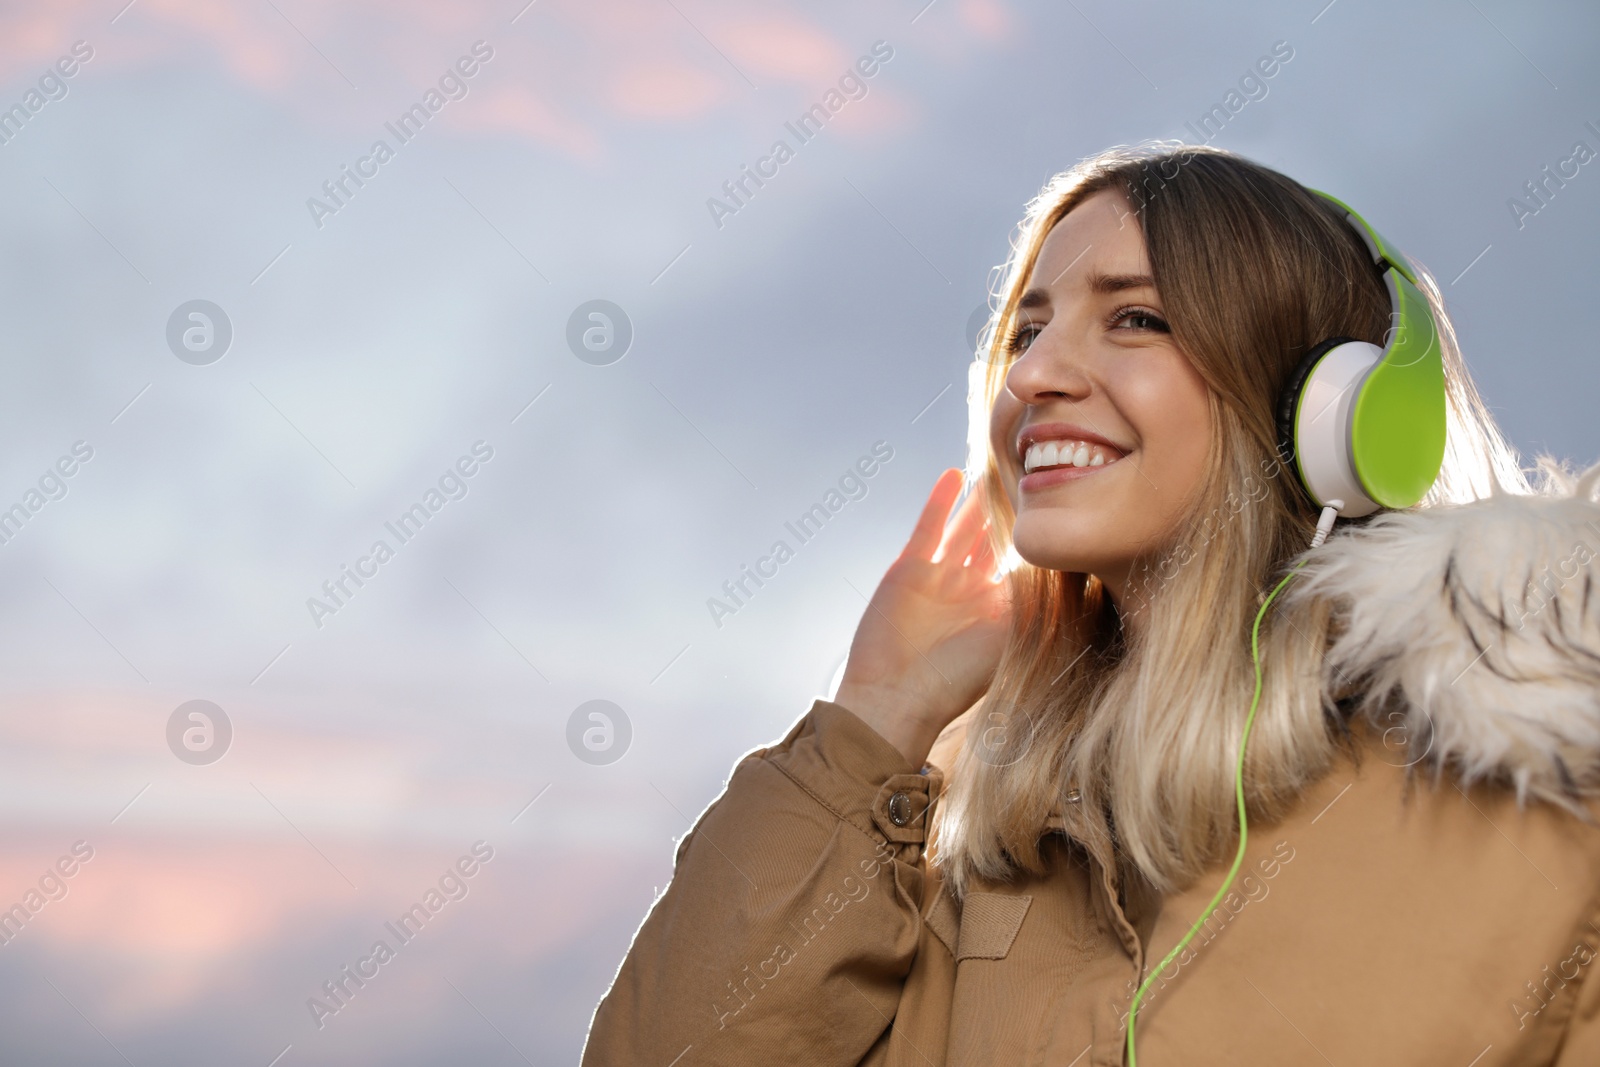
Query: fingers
[
  {"x": 968, "y": 524},
  {"x": 982, "y": 552},
  {"x": 930, "y": 526},
  {"x": 980, "y": 541}
]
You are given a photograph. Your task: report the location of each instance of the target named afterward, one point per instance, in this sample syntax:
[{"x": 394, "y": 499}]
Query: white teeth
[{"x": 1062, "y": 453}]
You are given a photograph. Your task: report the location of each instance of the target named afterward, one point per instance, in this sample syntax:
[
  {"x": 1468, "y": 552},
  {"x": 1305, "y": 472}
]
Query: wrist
[{"x": 892, "y": 716}]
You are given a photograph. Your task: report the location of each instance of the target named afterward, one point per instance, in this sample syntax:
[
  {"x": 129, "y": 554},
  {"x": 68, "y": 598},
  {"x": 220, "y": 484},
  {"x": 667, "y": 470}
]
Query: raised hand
[{"x": 929, "y": 641}]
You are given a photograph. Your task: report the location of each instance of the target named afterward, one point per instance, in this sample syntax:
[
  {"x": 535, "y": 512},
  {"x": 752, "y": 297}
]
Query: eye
[
  {"x": 1013, "y": 344},
  {"x": 1137, "y": 318}
]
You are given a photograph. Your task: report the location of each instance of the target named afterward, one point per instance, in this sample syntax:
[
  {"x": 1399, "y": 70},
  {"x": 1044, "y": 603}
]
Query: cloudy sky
[{"x": 258, "y": 342}]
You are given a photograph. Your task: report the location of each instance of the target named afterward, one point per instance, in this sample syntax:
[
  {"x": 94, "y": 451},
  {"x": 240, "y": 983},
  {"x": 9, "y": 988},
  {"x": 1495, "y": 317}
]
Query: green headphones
[{"x": 1364, "y": 426}]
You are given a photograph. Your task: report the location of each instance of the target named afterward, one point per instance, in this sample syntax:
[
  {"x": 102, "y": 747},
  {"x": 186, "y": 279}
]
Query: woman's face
[{"x": 1103, "y": 429}]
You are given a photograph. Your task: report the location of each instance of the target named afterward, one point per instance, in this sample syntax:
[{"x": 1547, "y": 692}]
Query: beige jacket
[{"x": 1388, "y": 919}]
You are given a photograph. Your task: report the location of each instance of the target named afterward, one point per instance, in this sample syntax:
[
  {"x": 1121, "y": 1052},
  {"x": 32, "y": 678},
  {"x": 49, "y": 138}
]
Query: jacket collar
[{"x": 1477, "y": 626}]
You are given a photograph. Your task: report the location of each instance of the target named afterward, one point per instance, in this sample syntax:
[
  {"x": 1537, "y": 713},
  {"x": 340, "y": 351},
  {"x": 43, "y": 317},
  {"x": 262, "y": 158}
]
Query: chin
[{"x": 1059, "y": 543}]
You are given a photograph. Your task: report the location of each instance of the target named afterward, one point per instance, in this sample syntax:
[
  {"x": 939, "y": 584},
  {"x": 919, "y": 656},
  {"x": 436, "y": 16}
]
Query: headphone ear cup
[{"x": 1289, "y": 404}]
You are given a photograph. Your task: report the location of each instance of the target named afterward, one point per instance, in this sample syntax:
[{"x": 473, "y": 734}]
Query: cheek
[{"x": 1169, "y": 407}]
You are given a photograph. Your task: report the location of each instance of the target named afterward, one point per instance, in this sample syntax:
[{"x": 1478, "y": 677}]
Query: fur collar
[{"x": 1475, "y": 630}]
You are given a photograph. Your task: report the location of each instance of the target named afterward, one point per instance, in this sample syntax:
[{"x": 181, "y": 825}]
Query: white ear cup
[{"x": 1322, "y": 427}]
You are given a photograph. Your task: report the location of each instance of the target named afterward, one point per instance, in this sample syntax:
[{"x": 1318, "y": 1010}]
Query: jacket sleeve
[{"x": 792, "y": 917}]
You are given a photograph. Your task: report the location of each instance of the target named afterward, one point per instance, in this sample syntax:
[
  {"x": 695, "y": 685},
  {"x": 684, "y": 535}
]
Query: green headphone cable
[{"x": 1323, "y": 526}]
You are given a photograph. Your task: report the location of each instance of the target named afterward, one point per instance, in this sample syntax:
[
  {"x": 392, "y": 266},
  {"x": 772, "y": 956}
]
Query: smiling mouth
[{"x": 1053, "y": 455}]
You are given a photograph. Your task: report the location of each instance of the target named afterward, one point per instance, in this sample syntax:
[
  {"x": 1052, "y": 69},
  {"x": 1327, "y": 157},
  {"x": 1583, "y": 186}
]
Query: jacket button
[{"x": 899, "y": 809}]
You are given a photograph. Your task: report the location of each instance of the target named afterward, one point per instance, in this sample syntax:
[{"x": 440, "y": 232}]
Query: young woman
[{"x": 1419, "y": 877}]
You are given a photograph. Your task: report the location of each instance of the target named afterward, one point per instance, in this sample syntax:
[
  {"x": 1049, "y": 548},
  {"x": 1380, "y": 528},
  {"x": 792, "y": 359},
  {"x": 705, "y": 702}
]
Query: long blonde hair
[{"x": 1142, "y": 725}]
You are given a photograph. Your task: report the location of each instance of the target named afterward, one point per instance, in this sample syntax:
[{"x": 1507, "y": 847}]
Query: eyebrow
[{"x": 1098, "y": 283}]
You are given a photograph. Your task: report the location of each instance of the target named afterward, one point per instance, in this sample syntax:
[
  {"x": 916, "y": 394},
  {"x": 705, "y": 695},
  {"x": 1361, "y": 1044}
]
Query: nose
[{"x": 1050, "y": 368}]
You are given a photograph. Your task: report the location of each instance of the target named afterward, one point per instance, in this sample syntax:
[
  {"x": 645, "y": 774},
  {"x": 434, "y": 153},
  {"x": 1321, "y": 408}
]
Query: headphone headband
[{"x": 1383, "y": 253}]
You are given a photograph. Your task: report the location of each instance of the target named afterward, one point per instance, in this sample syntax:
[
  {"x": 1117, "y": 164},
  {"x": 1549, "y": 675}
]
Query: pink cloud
[
  {"x": 515, "y": 110},
  {"x": 664, "y": 91},
  {"x": 171, "y": 919},
  {"x": 561, "y": 73},
  {"x": 776, "y": 46},
  {"x": 989, "y": 18}
]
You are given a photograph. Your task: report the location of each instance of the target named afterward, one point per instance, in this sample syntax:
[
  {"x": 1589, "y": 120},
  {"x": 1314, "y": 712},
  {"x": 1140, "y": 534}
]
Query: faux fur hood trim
[{"x": 1474, "y": 631}]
